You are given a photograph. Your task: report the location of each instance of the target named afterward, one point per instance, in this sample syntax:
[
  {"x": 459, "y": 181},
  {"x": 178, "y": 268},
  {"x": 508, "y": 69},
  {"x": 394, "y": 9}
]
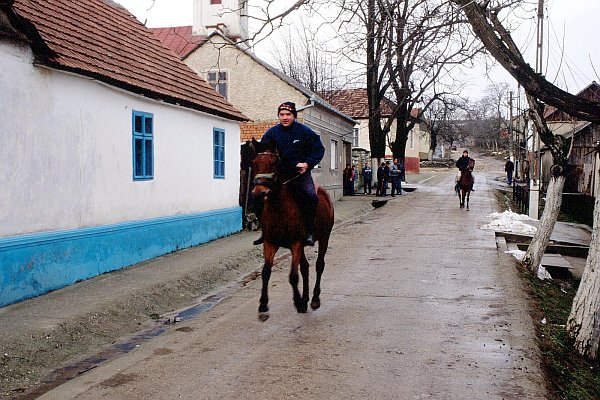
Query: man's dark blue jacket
[{"x": 296, "y": 144}]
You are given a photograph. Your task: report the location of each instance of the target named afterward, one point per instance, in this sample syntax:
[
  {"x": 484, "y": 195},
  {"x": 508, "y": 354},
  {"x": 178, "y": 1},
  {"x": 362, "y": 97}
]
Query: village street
[{"x": 417, "y": 303}]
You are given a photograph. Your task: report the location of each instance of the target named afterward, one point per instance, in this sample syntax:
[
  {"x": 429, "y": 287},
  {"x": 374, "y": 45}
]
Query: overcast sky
[{"x": 574, "y": 22}]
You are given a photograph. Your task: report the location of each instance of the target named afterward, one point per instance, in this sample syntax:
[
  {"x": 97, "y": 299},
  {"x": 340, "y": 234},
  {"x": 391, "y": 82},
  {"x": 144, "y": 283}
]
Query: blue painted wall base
[{"x": 31, "y": 265}]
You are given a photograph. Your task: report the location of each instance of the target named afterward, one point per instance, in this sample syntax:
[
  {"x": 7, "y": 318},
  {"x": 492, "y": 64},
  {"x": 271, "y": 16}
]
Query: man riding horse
[
  {"x": 464, "y": 163},
  {"x": 300, "y": 149}
]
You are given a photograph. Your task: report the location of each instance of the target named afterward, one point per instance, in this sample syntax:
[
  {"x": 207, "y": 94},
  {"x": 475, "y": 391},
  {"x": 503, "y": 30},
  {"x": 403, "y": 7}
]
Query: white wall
[{"x": 66, "y": 153}]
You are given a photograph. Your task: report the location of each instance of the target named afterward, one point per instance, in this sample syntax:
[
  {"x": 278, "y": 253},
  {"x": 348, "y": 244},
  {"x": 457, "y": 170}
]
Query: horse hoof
[
  {"x": 302, "y": 308},
  {"x": 315, "y": 304},
  {"x": 263, "y": 316}
]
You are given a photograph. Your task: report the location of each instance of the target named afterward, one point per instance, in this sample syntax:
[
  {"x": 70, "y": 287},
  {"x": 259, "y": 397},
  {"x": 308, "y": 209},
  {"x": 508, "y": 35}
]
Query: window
[
  {"x": 215, "y": 1},
  {"x": 355, "y": 138},
  {"x": 218, "y": 81},
  {"x": 334, "y": 154},
  {"x": 143, "y": 145},
  {"x": 219, "y": 153}
]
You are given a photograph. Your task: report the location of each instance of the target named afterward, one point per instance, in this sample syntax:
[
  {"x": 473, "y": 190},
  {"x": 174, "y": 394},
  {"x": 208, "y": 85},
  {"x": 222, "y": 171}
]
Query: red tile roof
[
  {"x": 355, "y": 103},
  {"x": 180, "y": 39},
  {"x": 102, "y": 40}
]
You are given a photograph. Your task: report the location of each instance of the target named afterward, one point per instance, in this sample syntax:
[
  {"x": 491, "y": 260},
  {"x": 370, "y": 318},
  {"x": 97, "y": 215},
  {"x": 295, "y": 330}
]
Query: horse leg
[
  {"x": 269, "y": 254},
  {"x": 461, "y": 198},
  {"x": 320, "y": 264},
  {"x": 468, "y": 195},
  {"x": 304, "y": 271},
  {"x": 297, "y": 254}
]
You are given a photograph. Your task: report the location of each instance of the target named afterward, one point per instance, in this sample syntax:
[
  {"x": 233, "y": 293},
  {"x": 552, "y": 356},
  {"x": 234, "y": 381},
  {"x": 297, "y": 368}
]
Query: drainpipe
[{"x": 311, "y": 104}]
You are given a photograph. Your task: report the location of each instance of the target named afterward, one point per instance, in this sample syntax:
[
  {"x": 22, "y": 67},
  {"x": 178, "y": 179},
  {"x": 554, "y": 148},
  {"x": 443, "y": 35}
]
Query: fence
[{"x": 521, "y": 197}]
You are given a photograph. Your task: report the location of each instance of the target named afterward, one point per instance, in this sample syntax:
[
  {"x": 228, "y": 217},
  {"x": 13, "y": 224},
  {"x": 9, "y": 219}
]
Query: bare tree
[
  {"x": 299, "y": 56},
  {"x": 440, "y": 120},
  {"x": 483, "y": 18}
]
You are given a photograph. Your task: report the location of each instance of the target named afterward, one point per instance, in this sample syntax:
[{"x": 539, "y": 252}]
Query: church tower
[{"x": 228, "y": 16}]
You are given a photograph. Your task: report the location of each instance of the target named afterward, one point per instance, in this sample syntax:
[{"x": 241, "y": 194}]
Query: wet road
[{"x": 417, "y": 303}]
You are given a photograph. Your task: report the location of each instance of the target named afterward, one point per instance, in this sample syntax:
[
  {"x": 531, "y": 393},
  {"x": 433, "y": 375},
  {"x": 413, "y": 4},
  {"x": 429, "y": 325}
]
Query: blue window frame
[
  {"x": 219, "y": 153},
  {"x": 142, "y": 126}
]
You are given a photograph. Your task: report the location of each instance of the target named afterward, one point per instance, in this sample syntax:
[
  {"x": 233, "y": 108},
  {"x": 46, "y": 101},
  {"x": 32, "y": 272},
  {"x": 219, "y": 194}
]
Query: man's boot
[{"x": 310, "y": 224}]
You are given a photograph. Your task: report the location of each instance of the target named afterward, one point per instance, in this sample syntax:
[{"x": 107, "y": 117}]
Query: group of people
[{"x": 388, "y": 174}]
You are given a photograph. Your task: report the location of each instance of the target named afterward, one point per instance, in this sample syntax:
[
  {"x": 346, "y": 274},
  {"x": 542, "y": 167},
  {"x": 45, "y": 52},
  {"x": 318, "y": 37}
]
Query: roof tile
[
  {"x": 100, "y": 39},
  {"x": 180, "y": 39}
]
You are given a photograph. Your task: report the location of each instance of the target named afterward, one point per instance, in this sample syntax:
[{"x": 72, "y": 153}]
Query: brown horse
[
  {"x": 283, "y": 226},
  {"x": 465, "y": 186}
]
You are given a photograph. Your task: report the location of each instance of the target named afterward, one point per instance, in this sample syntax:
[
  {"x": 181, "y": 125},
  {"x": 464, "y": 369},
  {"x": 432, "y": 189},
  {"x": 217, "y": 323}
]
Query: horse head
[{"x": 264, "y": 168}]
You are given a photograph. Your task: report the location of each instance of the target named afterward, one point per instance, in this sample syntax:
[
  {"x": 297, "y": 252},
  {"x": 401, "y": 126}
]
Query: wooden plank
[{"x": 555, "y": 260}]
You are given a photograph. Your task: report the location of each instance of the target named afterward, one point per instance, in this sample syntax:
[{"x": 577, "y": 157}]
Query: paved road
[{"x": 417, "y": 303}]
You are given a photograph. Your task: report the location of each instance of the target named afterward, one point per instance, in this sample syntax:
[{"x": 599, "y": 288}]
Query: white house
[{"x": 113, "y": 150}]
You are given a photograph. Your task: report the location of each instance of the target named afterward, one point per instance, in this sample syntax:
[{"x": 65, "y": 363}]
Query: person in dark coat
[
  {"x": 300, "y": 150},
  {"x": 348, "y": 180},
  {"x": 367, "y": 174},
  {"x": 509, "y": 168},
  {"x": 383, "y": 173},
  {"x": 463, "y": 164}
]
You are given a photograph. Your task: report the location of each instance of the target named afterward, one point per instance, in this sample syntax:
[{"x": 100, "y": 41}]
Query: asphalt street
[{"x": 417, "y": 303}]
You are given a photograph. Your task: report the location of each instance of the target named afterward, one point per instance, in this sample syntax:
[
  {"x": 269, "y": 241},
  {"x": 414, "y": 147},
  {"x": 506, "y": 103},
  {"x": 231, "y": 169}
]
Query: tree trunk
[
  {"x": 583, "y": 324},
  {"x": 535, "y": 251}
]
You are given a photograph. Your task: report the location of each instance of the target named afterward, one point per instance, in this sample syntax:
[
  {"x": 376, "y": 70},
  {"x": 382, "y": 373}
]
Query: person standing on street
[
  {"x": 300, "y": 149},
  {"x": 381, "y": 176},
  {"x": 509, "y": 168},
  {"x": 347, "y": 176},
  {"x": 400, "y": 176},
  {"x": 394, "y": 177},
  {"x": 367, "y": 174}
]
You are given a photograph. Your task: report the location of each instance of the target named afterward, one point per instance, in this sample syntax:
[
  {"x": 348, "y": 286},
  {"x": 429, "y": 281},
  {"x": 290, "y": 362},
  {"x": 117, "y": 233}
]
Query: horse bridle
[{"x": 267, "y": 179}]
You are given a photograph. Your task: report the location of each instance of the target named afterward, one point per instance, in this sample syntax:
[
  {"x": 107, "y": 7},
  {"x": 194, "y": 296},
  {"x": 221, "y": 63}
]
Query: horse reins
[{"x": 271, "y": 175}]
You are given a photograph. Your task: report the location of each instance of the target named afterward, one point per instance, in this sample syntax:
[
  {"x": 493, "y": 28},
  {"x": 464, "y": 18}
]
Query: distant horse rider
[
  {"x": 300, "y": 149},
  {"x": 464, "y": 163}
]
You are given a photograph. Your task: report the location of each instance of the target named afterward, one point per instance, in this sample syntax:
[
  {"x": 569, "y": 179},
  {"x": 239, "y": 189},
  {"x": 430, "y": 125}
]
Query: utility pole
[
  {"x": 511, "y": 138},
  {"x": 534, "y": 186}
]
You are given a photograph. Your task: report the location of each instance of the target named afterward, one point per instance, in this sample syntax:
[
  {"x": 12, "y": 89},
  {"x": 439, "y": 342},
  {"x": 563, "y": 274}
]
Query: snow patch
[
  {"x": 518, "y": 254},
  {"x": 543, "y": 274},
  {"x": 510, "y": 222},
  {"x": 511, "y": 216}
]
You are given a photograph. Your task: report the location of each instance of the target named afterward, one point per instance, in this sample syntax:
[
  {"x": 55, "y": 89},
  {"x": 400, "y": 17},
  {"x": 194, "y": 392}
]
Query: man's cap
[{"x": 289, "y": 106}]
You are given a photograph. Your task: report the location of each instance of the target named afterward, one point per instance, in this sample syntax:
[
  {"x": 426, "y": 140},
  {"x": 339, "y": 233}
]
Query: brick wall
[{"x": 249, "y": 130}]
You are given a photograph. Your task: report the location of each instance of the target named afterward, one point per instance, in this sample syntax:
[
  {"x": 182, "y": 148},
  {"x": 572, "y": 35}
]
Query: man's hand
[{"x": 302, "y": 167}]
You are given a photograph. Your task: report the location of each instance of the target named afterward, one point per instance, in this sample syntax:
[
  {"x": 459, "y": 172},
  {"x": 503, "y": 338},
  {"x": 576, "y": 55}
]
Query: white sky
[{"x": 573, "y": 21}]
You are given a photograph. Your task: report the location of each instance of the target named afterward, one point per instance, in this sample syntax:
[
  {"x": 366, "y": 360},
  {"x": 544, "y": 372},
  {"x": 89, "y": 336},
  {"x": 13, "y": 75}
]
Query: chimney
[{"x": 229, "y": 16}]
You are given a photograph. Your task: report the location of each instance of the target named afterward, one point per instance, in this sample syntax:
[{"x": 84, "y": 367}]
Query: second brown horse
[{"x": 283, "y": 226}]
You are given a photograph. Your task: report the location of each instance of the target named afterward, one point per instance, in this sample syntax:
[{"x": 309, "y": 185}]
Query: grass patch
[{"x": 569, "y": 375}]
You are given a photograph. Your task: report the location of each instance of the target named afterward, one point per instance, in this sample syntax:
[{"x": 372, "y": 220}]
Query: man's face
[
  {"x": 286, "y": 118},
  {"x": 465, "y": 154}
]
